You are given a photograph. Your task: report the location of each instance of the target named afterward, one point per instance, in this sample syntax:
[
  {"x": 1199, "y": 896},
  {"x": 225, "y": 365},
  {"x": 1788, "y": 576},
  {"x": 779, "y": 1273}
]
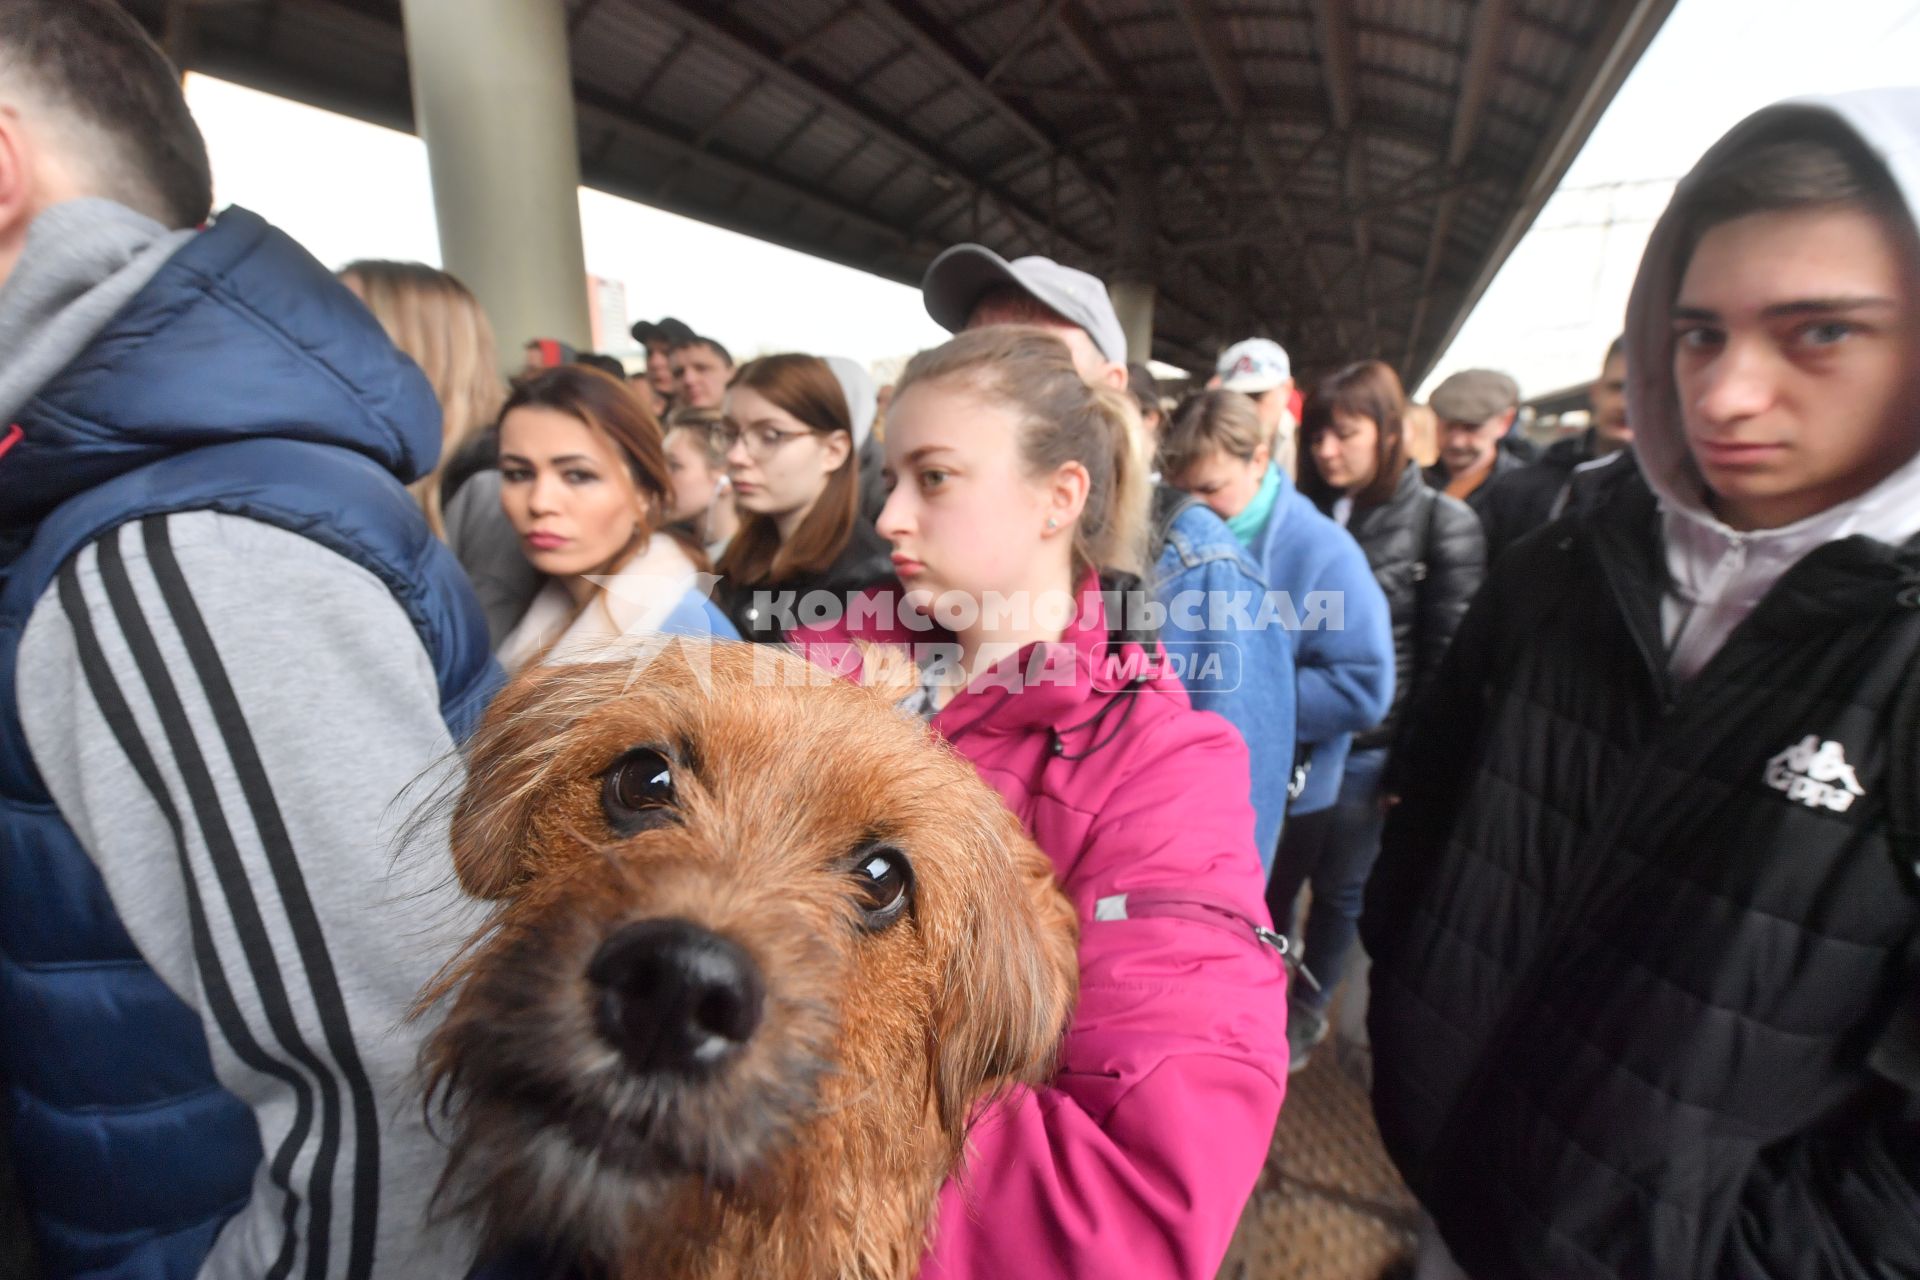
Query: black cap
[{"x": 667, "y": 330}]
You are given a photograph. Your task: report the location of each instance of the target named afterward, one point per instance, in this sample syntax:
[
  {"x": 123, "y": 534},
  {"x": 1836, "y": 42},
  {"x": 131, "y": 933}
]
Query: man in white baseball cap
[
  {"x": 1195, "y": 556},
  {"x": 970, "y": 285},
  {"x": 1259, "y": 368}
]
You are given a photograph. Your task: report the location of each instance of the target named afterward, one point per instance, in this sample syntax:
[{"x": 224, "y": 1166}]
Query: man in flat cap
[{"x": 1475, "y": 408}]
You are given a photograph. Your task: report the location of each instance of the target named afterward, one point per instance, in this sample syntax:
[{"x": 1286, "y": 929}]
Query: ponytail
[
  {"x": 1060, "y": 419},
  {"x": 1120, "y": 542}
]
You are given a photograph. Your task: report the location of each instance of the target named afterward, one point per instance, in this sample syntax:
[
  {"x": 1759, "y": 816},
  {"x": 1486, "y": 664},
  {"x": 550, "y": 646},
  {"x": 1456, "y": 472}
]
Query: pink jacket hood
[{"x": 1140, "y": 1155}]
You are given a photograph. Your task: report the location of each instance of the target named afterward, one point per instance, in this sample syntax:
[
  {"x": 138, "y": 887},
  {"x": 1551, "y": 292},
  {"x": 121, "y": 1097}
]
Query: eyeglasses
[{"x": 761, "y": 441}]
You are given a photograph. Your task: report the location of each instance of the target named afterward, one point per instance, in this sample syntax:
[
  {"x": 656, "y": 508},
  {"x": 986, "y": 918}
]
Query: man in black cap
[{"x": 659, "y": 338}]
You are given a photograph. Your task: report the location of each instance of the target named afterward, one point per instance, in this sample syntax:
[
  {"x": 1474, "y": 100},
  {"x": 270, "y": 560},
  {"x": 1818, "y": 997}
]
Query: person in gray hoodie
[
  {"x": 229, "y": 647},
  {"x": 1646, "y": 923}
]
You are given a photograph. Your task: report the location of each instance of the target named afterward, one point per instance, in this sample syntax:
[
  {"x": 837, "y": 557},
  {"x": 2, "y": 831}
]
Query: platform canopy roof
[{"x": 1343, "y": 175}]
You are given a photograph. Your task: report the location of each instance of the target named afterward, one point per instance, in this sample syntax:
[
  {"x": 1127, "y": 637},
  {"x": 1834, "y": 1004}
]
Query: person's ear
[
  {"x": 1067, "y": 495},
  {"x": 835, "y": 446},
  {"x": 1262, "y": 455},
  {"x": 20, "y": 188},
  {"x": 1506, "y": 419},
  {"x": 1115, "y": 376}
]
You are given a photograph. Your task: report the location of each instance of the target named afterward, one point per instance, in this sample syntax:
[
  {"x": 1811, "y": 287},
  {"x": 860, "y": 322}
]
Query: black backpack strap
[{"x": 1169, "y": 504}]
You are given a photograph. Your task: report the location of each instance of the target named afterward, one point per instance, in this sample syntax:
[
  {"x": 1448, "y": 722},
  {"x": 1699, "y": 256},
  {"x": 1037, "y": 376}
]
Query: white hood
[{"x": 1718, "y": 575}]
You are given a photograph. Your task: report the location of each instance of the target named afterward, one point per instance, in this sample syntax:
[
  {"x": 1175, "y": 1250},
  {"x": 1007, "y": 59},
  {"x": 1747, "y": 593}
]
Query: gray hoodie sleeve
[{"x": 236, "y": 721}]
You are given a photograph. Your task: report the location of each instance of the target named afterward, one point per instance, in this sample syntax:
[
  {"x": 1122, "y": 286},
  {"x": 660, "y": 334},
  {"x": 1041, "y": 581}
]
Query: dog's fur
[{"x": 819, "y": 1151}]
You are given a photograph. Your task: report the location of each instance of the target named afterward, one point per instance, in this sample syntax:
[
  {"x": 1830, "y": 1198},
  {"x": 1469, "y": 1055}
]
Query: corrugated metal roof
[{"x": 1345, "y": 175}]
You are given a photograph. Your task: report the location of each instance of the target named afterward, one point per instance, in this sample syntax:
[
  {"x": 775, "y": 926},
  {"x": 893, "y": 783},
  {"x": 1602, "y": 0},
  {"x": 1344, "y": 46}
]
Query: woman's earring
[{"x": 1052, "y": 523}]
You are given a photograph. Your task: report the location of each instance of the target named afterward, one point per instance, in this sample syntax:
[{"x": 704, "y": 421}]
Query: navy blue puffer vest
[{"x": 241, "y": 379}]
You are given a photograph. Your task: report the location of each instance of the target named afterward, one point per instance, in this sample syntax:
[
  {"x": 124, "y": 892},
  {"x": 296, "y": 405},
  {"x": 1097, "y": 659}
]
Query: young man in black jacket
[{"x": 1644, "y": 987}]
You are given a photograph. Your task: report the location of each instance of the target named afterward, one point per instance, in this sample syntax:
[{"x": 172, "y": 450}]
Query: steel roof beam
[
  {"x": 603, "y": 111},
  {"x": 1610, "y": 54},
  {"x": 1078, "y": 35},
  {"x": 1023, "y": 40},
  {"x": 1334, "y": 28},
  {"x": 749, "y": 46},
  {"x": 1232, "y": 92},
  {"x": 906, "y": 21},
  {"x": 804, "y": 43},
  {"x": 1476, "y": 77}
]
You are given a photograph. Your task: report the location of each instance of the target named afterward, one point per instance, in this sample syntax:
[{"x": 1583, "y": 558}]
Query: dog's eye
[
  {"x": 638, "y": 793},
  {"x": 885, "y": 878}
]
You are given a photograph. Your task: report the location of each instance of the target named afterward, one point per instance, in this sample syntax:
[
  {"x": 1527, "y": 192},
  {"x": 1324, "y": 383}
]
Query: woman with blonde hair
[
  {"x": 437, "y": 321},
  {"x": 1019, "y": 522},
  {"x": 702, "y": 491}
]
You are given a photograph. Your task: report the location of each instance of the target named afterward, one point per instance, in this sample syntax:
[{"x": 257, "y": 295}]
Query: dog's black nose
[{"x": 674, "y": 996}]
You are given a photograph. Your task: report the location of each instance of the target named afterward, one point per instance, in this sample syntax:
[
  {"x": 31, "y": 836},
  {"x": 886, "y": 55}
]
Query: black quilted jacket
[
  {"x": 1523, "y": 499},
  {"x": 1635, "y": 944},
  {"x": 1429, "y": 556}
]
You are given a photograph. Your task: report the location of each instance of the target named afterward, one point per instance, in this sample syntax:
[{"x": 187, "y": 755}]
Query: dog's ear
[
  {"x": 507, "y": 758},
  {"x": 1011, "y": 976}
]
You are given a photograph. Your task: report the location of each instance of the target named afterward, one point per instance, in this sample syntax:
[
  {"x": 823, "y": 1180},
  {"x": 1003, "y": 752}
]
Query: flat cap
[{"x": 1474, "y": 395}]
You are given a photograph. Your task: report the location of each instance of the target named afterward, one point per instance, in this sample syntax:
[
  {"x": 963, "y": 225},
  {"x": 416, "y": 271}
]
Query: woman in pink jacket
[{"x": 1019, "y": 492}]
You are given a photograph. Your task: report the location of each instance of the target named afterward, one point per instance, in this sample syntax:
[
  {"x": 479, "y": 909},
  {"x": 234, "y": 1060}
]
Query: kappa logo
[{"x": 1815, "y": 774}]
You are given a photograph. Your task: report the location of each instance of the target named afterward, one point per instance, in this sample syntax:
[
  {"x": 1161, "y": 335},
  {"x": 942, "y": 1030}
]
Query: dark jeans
[{"x": 1335, "y": 850}]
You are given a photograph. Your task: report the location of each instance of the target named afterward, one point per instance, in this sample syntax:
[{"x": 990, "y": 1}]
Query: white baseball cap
[
  {"x": 961, "y": 276},
  {"x": 1254, "y": 366}
]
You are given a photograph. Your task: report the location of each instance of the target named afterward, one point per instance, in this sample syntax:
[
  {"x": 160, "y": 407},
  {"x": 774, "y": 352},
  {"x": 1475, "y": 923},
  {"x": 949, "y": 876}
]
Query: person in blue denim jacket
[
  {"x": 1210, "y": 587},
  {"x": 1335, "y": 616}
]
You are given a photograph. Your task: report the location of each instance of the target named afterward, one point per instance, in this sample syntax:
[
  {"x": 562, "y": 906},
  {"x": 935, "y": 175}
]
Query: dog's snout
[{"x": 673, "y": 996}]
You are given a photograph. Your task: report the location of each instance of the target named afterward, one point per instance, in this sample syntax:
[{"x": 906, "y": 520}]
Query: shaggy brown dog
[{"x": 762, "y": 946}]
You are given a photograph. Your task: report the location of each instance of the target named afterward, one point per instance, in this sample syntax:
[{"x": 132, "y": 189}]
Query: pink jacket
[{"x": 1139, "y": 1157}]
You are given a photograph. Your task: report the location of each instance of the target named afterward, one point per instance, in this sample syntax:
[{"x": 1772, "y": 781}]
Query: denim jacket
[{"x": 1242, "y": 672}]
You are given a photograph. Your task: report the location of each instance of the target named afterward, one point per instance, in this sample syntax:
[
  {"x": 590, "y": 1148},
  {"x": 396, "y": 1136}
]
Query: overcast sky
[
  {"x": 1562, "y": 296},
  {"x": 351, "y": 190}
]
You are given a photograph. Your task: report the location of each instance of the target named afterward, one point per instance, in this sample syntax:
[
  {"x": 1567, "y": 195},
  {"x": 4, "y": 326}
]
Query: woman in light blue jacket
[{"x": 1217, "y": 450}]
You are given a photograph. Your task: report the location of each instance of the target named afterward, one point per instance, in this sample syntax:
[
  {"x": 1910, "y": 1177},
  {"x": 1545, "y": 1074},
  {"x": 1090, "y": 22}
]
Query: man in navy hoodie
[{"x": 228, "y": 643}]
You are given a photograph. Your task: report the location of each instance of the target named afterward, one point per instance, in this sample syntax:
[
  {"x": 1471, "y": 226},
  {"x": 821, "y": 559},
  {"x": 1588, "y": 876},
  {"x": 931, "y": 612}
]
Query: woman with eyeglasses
[{"x": 802, "y": 549}]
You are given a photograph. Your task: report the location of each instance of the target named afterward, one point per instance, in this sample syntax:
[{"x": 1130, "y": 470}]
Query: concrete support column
[
  {"x": 1133, "y": 300},
  {"x": 493, "y": 99},
  {"x": 1133, "y": 288}
]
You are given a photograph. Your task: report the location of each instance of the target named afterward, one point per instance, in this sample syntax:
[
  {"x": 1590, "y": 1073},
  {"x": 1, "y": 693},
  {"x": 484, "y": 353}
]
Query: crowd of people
[{"x": 1606, "y": 752}]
